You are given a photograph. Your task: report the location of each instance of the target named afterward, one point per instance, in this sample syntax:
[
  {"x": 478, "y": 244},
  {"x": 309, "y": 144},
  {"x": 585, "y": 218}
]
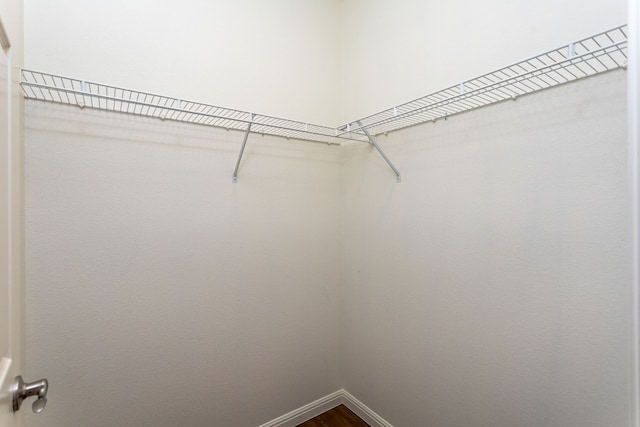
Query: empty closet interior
[{"x": 234, "y": 209}]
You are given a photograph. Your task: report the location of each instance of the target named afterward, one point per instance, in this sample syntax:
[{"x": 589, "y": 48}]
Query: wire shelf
[
  {"x": 54, "y": 88},
  {"x": 593, "y": 55}
]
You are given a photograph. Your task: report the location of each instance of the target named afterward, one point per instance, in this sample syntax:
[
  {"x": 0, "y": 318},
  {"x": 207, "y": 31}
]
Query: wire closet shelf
[
  {"x": 599, "y": 53},
  {"x": 593, "y": 55},
  {"x": 59, "y": 89}
]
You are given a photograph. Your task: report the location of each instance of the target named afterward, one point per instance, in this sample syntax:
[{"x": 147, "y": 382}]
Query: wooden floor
[{"x": 340, "y": 416}]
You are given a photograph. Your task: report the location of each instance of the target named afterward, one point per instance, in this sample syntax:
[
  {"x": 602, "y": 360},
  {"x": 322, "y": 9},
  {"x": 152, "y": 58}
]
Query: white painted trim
[
  {"x": 10, "y": 203},
  {"x": 4, "y": 38},
  {"x": 306, "y": 412},
  {"x": 315, "y": 408},
  {"x": 363, "y": 411},
  {"x": 5, "y": 365},
  {"x": 633, "y": 88}
]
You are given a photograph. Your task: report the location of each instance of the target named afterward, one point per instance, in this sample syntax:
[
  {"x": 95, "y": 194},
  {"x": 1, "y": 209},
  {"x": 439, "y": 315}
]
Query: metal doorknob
[{"x": 22, "y": 390}]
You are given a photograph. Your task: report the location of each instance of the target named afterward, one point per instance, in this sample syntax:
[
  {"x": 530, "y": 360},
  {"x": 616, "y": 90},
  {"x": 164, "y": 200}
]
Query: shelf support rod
[
  {"x": 244, "y": 143},
  {"x": 384, "y": 156}
]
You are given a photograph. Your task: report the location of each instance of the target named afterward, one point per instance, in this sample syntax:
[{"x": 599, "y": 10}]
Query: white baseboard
[
  {"x": 307, "y": 412},
  {"x": 363, "y": 411},
  {"x": 324, "y": 404}
]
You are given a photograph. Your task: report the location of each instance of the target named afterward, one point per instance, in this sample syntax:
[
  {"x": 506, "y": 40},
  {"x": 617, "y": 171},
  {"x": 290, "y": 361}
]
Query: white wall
[
  {"x": 393, "y": 52},
  {"x": 270, "y": 57},
  {"x": 490, "y": 287},
  {"x": 159, "y": 293}
]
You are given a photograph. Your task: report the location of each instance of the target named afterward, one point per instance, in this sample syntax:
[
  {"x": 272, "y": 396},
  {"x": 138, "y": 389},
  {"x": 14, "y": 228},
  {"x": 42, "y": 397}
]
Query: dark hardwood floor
[{"x": 340, "y": 416}]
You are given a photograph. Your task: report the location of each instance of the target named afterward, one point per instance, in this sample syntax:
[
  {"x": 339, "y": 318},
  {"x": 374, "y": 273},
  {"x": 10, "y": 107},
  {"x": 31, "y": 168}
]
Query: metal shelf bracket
[
  {"x": 244, "y": 143},
  {"x": 384, "y": 156}
]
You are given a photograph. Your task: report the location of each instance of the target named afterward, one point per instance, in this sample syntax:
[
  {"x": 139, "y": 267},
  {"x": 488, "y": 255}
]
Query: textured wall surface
[
  {"x": 269, "y": 57},
  {"x": 159, "y": 293},
  {"x": 490, "y": 287}
]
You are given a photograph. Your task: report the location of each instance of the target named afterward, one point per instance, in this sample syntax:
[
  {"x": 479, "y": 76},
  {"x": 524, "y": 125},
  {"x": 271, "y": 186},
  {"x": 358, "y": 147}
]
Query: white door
[{"x": 10, "y": 232}]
